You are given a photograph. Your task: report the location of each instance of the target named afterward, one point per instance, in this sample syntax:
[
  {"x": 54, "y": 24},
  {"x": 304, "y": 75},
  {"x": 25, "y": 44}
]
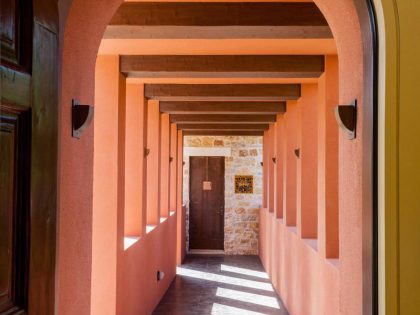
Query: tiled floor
[{"x": 222, "y": 285}]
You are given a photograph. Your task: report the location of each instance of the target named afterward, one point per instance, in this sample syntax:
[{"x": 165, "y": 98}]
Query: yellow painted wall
[
  {"x": 399, "y": 24},
  {"x": 409, "y": 156}
]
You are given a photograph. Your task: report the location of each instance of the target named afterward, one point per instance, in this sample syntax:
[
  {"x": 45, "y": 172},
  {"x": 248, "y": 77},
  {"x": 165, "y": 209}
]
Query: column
[
  {"x": 109, "y": 100},
  {"x": 279, "y": 167},
  {"x": 308, "y": 161},
  {"x": 135, "y": 161},
  {"x": 164, "y": 165},
  {"x": 173, "y": 168},
  {"x": 328, "y": 210},
  {"x": 153, "y": 163}
]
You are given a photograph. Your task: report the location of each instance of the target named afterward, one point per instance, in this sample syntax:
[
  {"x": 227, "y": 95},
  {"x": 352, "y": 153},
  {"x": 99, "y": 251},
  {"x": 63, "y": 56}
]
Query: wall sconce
[
  {"x": 160, "y": 275},
  {"x": 274, "y": 160},
  {"x": 171, "y": 159},
  {"x": 346, "y": 116},
  {"x": 81, "y": 116},
  {"x": 297, "y": 153},
  {"x": 146, "y": 152}
]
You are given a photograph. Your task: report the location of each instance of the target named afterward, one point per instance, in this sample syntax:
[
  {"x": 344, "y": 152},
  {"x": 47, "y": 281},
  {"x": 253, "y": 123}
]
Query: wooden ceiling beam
[
  {"x": 223, "y": 107},
  {"x": 223, "y": 66},
  {"x": 194, "y": 20},
  {"x": 223, "y": 133},
  {"x": 231, "y": 127},
  {"x": 223, "y": 92},
  {"x": 217, "y": 119}
]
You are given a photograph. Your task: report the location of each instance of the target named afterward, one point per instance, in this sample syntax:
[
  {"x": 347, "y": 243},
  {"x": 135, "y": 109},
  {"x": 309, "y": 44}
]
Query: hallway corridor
[{"x": 225, "y": 285}]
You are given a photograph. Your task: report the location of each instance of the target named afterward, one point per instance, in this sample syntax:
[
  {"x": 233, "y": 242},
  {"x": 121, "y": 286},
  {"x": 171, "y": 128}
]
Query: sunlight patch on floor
[
  {"x": 248, "y": 297},
  {"x": 243, "y": 271},
  {"x": 220, "y": 309},
  {"x": 224, "y": 279}
]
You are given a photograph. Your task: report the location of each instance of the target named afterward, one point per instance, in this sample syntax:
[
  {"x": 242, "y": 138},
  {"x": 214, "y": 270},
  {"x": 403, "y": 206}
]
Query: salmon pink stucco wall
[
  {"x": 140, "y": 291},
  {"x": 306, "y": 283},
  {"x": 355, "y": 184},
  {"x": 298, "y": 271},
  {"x": 82, "y": 24},
  {"x": 295, "y": 259},
  {"x": 123, "y": 279}
]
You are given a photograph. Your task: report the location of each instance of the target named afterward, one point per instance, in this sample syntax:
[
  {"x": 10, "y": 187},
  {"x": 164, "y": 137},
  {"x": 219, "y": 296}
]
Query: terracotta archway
[{"x": 83, "y": 24}]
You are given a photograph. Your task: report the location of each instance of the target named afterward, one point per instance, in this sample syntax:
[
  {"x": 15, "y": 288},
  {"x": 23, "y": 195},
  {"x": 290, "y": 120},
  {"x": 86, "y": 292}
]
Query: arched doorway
[{"x": 351, "y": 23}]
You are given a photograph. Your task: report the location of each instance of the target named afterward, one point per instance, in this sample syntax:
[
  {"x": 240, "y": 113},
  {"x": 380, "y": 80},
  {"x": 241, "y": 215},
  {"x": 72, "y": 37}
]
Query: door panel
[
  {"x": 16, "y": 33},
  {"x": 8, "y": 30},
  {"x": 14, "y": 209},
  {"x": 7, "y": 144},
  {"x": 28, "y": 155},
  {"x": 207, "y": 200}
]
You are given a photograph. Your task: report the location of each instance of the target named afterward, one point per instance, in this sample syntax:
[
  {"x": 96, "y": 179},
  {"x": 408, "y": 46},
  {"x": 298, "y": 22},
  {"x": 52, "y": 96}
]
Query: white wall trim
[{"x": 207, "y": 151}]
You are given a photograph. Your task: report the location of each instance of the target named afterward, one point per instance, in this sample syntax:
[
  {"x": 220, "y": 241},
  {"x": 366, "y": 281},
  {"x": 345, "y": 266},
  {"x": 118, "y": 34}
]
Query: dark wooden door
[
  {"x": 28, "y": 155},
  {"x": 207, "y": 202}
]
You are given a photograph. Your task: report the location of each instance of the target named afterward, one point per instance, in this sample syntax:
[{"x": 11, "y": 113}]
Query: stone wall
[{"x": 241, "y": 210}]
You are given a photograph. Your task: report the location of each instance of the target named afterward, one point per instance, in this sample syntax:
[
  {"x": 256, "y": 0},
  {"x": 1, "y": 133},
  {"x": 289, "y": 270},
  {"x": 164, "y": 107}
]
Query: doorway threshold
[{"x": 206, "y": 252}]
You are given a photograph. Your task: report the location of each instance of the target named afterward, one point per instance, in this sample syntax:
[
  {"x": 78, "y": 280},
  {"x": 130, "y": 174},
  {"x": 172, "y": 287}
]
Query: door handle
[{"x": 222, "y": 211}]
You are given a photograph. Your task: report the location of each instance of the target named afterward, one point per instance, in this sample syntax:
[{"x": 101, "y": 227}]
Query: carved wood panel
[
  {"x": 16, "y": 33},
  {"x": 29, "y": 104},
  {"x": 14, "y": 210}
]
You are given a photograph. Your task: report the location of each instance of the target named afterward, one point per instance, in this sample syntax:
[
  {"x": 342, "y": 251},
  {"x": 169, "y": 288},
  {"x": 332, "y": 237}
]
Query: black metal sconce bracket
[
  {"x": 346, "y": 116},
  {"x": 82, "y": 116},
  {"x": 146, "y": 152},
  {"x": 160, "y": 275},
  {"x": 297, "y": 153}
]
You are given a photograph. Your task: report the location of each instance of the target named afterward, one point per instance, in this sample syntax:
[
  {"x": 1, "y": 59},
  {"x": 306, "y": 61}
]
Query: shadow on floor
[{"x": 222, "y": 285}]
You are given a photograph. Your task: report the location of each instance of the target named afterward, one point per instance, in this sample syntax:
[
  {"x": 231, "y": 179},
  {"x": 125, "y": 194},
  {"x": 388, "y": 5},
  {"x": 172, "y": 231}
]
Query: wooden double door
[
  {"x": 207, "y": 203},
  {"x": 28, "y": 155}
]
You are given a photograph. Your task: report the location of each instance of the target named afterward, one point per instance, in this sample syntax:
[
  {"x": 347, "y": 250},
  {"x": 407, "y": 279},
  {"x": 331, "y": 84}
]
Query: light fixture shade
[
  {"x": 146, "y": 152},
  {"x": 82, "y": 116},
  {"x": 160, "y": 275},
  {"x": 346, "y": 116}
]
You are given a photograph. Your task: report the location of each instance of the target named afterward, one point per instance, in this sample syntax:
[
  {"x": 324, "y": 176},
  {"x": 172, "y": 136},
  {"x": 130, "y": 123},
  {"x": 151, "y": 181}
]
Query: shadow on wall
[{"x": 243, "y": 156}]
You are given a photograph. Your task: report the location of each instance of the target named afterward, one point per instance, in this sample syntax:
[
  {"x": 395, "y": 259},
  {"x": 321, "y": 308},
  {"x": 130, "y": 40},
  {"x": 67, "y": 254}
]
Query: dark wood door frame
[
  {"x": 207, "y": 205},
  {"x": 29, "y": 116}
]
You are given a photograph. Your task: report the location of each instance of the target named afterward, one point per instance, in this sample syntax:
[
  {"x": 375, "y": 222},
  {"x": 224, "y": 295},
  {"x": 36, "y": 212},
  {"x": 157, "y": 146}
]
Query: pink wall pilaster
[
  {"x": 153, "y": 162},
  {"x": 164, "y": 164},
  {"x": 328, "y": 240},
  {"x": 309, "y": 161},
  {"x": 109, "y": 95},
  {"x": 134, "y": 160},
  {"x": 279, "y": 167},
  {"x": 173, "y": 168}
]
